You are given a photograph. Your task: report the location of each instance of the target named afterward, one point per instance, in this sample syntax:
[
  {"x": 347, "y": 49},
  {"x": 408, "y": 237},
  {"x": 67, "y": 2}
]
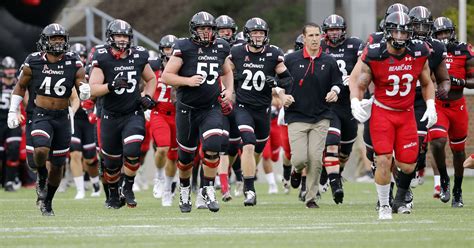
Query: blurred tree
[{"x": 453, "y": 13}]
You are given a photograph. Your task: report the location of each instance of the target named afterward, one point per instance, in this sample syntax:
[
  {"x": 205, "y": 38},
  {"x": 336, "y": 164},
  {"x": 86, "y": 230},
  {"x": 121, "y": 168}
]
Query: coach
[{"x": 317, "y": 82}]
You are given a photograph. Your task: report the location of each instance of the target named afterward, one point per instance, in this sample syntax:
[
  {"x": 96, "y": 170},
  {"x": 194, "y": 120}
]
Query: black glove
[
  {"x": 457, "y": 81},
  {"x": 119, "y": 83},
  {"x": 271, "y": 82},
  {"x": 147, "y": 102}
]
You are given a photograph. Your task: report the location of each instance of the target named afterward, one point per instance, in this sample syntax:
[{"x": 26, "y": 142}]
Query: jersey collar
[{"x": 306, "y": 54}]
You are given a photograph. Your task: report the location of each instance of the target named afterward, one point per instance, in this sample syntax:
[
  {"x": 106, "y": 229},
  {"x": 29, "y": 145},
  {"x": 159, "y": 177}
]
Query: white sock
[
  {"x": 160, "y": 173},
  {"x": 168, "y": 182},
  {"x": 270, "y": 178},
  {"x": 95, "y": 180},
  {"x": 383, "y": 192},
  {"x": 79, "y": 181},
  {"x": 437, "y": 180}
]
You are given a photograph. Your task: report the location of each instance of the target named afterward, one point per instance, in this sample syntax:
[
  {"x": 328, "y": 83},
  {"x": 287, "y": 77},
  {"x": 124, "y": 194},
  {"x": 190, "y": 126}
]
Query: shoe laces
[
  {"x": 184, "y": 194},
  {"x": 249, "y": 194},
  {"x": 210, "y": 193}
]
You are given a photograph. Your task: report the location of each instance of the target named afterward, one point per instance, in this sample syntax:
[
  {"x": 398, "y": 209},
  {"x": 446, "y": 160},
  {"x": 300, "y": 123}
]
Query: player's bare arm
[
  {"x": 23, "y": 81},
  {"x": 427, "y": 87},
  {"x": 470, "y": 73},
  {"x": 360, "y": 79},
  {"x": 228, "y": 81},
  {"x": 96, "y": 80},
  {"x": 150, "y": 80},
  {"x": 442, "y": 79}
]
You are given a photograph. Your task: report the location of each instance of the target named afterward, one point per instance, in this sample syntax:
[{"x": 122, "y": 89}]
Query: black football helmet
[
  {"x": 421, "y": 21},
  {"x": 299, "y": 43},
  {"x": 225, "y": 21},
  {"x": 52, "y": 30},
  {"x": 334, "y": 22},
  {"x": 254, "y": 24},
  {"x": 396, "y": 7},
  {"x": 166, "y": 42},
  {"x": 381, "y": 25},
  {"x": 119, "y": 27},
  {"x": 441, "y": 24},
  {"x": 398, "y": 21},
  {"x": 9, "y": 67},
  {"x": 79, "y": 49},
  {"x": 202, "y": 19}
]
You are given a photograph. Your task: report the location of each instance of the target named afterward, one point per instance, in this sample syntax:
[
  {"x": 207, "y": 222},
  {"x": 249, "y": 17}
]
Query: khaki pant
[{"x": 307, "y": 143}]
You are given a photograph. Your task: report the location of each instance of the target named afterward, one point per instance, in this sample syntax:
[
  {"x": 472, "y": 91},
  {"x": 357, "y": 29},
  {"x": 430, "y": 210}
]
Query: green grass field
[{"x": 277, "y": 221}]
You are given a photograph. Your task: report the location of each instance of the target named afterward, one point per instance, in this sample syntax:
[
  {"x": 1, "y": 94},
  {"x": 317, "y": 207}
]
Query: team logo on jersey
[
  {"x": 322, "y": 67},
  {"x": 261, "y": 59},
  {"x": 136, "y": 55},
  {"x": 269, "y": 54},
  {"x": 214, "y": 50},
  {"x": 48, "y": 71},
  {"x": 124, "y": 68},
  {"x": 220, "y": 46},
  {"x": 401, "y": 67},
  {"x": 350, "y": 46},
  {"x": 391, "y": 61},
  {"x": 341, "y": 50},
  {"x": 417, "y": 53},
  {"x": 408, "y": 58},
  {"x": 247, "y": 58},
  {"x": 301, "y": 66},
  {"x": 131, "y": 61},
  {"x": 68, "y": 62},
  {"x": 200, "y": 51}
]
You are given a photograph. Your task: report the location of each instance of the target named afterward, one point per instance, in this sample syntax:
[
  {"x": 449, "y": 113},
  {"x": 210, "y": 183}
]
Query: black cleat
[
  {"x": 185, "y": 200},
  {"x": 129, "y": 197},
  {"x": 115, "y": 202},
  {"x": 250, "y": 198},
  {"x": 400, "y": 207},
  {"x": 9, "y": 187},
  {"x": 457, "y": 199},
  {"x": 337, "y": 191},
  {"x": 445, "y": 194},
  {"x": 41, "y": 191},
  {"x": 295, "y": 179},
  {"x": 302, "y": 195},
  {"x": 209, "y": 195},
  {"x": 47, "y": 208},
  {"x": 311, "y": 204}
]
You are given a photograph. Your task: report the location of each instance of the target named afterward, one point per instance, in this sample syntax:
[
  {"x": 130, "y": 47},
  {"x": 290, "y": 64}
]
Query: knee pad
[
  {"x": 112, "y": 175},
  {"x": 346, "y": 149},
  {"x": 207, "y": 160},
  {"x": 132, "y": 164},
  {"x": 248, "y": 138},
  {"x": 93, "y": 163},
  {"x": 328, "y": 163},
  {"x": 212, "y": 143},
  {"x": 233, "y": 149},
  {"x": 57, "y": 160},
  {"x": 132, "y": 149},
  {"x": 185, "y": 157},
  {"x": 184, "y": 167},
  {"x": 457, "y": 146},
  {"x": 259, "y": 146},
  {"x": 343, "y": 157}
]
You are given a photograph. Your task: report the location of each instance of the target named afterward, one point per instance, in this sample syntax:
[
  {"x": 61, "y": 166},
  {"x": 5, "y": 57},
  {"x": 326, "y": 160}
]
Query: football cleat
[
  {"x": 200, "y": 202},
  {"x": 385, "y": 213},
  {"x": 401, "y": 208},
  {"x": 95, "y": 190},
  {"x": 158, "y": 188},
  {"x": 286, "y": 186},
  {"x": 295, "y": 179},
  {"x": 185, "y": 199},
  {"x": 226, "y": 196},
  {"x": 129, "y": 198},
  {"x": 272, "y": 189},
  {"x": 41, "y": 191},
  {"x": 437, "y": 191},
  {"x": 9, "y": 187},
  {"x": 47, "y": 208},
  {"x": 337, "y": 191},
  {"x": 457, "y": 199},
  {"x": 81, "y": 194},
  {"x": 445, "y": 194},
  {"x": 239, "y": 189},
  {"x": 209, "y": 196},
  {"x": 250, "y": 198},
  {"x": 302, "y": 195},
  {"x": 167, "y": 199},
  {"x": 311, "y": 204}
]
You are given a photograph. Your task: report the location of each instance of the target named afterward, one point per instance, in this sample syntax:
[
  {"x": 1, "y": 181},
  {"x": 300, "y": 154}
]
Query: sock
[
  {"x": 168, "y": 182},
  {"x": 270, "y": 178},
  {"x": 404, "y": 180},
  {"x": 129, "y": 180},
  {"x": 443, "y": 173},
  {"x": 382, "y": 193},
  {"x": 249, "y": 184},
  {"x": 303, "y": 183},
  {"x": 457, "y": 183},
  {"x": 208, "y": 181},
  {"x": 324, "y": 177},
  {"x": 113, "y": 190},
  {"x": 106, "y": 190},
  {"x": 42, "y": 173},
  {"x": 224, "y": 183},
  {"x": 51, "y": 191},
  {"x": 160, "y": 173},
  {"x": 286, "y": 172},
  {"x": 79, "y": 181},
  {"x": 237, "y": 169},
  {"x": 437, "y": 180},
  {"x": 184, "y": 182},
  {"x": 95, "y": 180}
]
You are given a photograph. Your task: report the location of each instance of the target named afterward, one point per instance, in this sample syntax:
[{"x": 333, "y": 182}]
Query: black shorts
[
  {"x": 253, "y": 124},
  {"x": 342, "y": 130},
  {"x": 193, "y": 125},
  {"x": 231, "y": 135},
  {"x": 10, "y": 140},
  {"x": 52, "y": 129},
  {"x": 83, "y": 139},
  {"x": 122, "y": 134}
]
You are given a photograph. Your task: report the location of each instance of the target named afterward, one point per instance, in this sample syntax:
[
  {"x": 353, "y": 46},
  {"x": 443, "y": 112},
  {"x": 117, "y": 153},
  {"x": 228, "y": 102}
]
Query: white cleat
[
  {"x": 95, "y": 193},
  {"x": 80, "y": 195},
  {"x": 62, "y": 186},
  {"x": 136, "y": 188},
  {"x": 239, "y": 189},
  {"x": 158, "y": 188},
  {"x": 414, "y": 182},
  {"x": 200, "y": 202},
  {"x": 167, "y": 199},
  {"x": 286, "y": 186},
  {"x": 324, "y": 188},
  {"x": 272, "y": 189},
  {"x": 385, "y": 213}
]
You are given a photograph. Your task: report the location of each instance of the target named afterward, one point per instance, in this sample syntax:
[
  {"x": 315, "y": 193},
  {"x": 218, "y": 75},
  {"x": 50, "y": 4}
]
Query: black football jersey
[
  {"x": 251, "y": 69},
  {"x": 52, "y": 79},
  {"x": 131, "y": 68},
  {"x": 346, "y": 55},
  {"x": 5, "y": 101},
  {"x": 206, "y": 61},
  {"x": 156, "y": 64}
]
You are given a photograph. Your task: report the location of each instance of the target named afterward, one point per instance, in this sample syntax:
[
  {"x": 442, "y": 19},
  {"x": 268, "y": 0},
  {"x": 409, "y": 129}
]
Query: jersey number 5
[
  {"x": 130, "y": 78},
  {"x": 201, "y": 70},
  {"x": 407, "y": 78}
]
